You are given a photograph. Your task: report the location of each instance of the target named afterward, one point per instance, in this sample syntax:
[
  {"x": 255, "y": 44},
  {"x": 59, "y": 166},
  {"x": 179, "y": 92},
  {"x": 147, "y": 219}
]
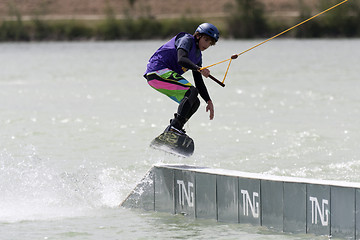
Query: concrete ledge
[{"x": 286, "y": 204}]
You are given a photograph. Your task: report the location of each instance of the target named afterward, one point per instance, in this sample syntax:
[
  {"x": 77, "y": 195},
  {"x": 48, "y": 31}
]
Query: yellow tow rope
[{"x": 236, "y": 55}]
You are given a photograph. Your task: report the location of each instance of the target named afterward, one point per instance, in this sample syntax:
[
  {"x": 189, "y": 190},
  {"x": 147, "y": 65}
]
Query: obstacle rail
[{"x": 286, "y": 204}]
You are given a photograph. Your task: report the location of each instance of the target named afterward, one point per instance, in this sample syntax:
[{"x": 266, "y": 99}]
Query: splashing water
[{"x": 31, "y": 189}]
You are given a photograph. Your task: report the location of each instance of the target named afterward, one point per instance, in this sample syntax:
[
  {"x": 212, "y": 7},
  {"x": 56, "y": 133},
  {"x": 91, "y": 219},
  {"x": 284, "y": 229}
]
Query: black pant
[{"x": 187, "y": 107}]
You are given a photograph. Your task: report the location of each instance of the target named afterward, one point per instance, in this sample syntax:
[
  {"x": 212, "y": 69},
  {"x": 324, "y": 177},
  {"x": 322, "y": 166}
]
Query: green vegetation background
[{"x": 245, "y": 20}]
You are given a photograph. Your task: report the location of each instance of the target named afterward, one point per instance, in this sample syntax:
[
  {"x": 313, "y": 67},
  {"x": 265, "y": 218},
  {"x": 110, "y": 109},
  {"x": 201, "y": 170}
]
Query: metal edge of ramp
[{"x": 285, "y": 204}]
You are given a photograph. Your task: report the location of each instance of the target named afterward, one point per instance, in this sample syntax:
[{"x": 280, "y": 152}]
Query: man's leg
[{"x": 187, "y": 107}]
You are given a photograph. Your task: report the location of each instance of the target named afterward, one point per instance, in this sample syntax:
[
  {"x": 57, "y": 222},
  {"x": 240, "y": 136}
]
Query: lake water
[{"x": 77, "y": 118}]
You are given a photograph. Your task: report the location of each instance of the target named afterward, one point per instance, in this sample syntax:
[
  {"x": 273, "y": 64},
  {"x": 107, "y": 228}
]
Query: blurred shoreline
[
  {"x": 63, "y": 9},
  {"x": 39, "y": 20}
]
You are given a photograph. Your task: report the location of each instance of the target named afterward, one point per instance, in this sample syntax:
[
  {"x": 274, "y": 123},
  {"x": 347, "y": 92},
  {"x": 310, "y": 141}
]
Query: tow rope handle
[{"x": 216, "y": 80}]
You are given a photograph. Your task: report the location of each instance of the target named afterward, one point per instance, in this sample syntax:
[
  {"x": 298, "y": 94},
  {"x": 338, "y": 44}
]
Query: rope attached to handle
[{"x": 277, "y": 35}]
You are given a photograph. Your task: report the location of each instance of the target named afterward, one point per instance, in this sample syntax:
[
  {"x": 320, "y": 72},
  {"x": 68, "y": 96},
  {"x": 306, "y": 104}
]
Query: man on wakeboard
[{"x": 166, "y": 66}]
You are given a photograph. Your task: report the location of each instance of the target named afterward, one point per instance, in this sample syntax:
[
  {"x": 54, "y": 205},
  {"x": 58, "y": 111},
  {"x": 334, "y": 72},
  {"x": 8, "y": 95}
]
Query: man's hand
[
  {"x": 210, "y": 107},
  {"x": 205, "y": 72}
]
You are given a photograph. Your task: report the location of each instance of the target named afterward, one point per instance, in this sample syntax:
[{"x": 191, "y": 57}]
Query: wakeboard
[{"x": 178, "y": 144}]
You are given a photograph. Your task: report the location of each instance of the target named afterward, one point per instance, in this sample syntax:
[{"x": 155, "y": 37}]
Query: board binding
[{"x": 174, "y": 143}]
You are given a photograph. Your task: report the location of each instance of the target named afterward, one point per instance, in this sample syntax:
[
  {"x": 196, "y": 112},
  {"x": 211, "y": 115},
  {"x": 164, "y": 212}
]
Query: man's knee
[{"x": 192, "y": 94}]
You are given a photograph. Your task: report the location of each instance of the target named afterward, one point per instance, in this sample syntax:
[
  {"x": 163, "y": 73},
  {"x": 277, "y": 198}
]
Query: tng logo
[
  {"x": 186, "y": 193},
  {"x": 319, "y": 210}
]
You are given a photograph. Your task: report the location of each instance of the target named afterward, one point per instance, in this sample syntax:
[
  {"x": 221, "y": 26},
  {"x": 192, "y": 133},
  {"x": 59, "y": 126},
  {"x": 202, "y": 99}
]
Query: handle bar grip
[{"x": 217, "y": 81}]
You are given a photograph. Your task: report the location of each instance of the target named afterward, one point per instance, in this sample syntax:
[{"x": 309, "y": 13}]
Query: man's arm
[
  {"x": 184, "y": 61},
  {"x": 200, "y": 85}
]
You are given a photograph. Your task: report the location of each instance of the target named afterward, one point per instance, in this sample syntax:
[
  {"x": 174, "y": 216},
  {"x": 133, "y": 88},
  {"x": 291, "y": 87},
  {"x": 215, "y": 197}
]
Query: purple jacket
[{"x": 166, "y": 57}]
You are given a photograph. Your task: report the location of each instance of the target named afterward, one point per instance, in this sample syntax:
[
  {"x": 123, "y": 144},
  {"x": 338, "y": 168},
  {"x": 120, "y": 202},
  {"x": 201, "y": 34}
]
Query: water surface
[{"x": 77, "y": 118}]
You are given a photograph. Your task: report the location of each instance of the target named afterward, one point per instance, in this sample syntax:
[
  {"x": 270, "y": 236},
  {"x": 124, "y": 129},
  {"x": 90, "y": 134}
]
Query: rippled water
[{"x": 77, "y": 118}]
